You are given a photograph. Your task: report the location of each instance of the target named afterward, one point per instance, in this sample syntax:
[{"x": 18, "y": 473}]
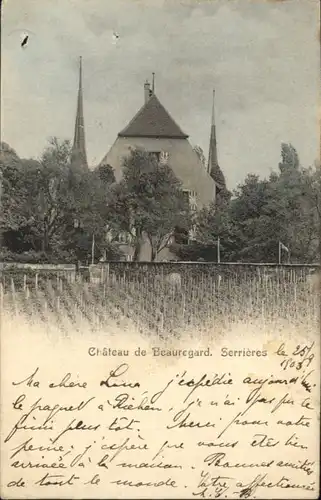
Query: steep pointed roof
[
  {"x": 152, "y": 120},
  {"x": 78, "y": 155},
  {"x": 212, "y": 154},
  {"x": 213, "y": 167}
]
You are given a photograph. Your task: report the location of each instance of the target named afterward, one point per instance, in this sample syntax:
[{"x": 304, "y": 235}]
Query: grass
[{"x": 201, "y": 306}]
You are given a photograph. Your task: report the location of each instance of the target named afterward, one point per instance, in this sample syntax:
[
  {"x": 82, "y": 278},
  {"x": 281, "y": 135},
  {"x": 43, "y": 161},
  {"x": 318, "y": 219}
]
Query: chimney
[{"x": 146, "y": 90}]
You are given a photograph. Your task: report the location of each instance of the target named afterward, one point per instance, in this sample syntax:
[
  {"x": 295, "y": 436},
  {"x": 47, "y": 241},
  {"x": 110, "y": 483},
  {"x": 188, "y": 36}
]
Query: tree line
[{"x": 52, "y": 211}]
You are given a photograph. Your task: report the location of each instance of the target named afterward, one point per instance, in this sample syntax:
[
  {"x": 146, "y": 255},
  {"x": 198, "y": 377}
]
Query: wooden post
[
  {"x": 161, "y": 323},
  {"x": 93, "y": 250},
  {"x": 1, "y": 298},
  {"x": 13, "y": 290}
]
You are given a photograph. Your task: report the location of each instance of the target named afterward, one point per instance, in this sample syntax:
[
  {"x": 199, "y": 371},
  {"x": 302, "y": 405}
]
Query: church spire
[
  {"x": 213, "y": 167},
  {"x": 212, "y": 155},
  {"x": 79, "y": 157}
]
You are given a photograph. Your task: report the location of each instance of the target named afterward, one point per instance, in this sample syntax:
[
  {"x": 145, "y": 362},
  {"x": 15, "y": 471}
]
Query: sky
[{"x": 261, "y": 56}]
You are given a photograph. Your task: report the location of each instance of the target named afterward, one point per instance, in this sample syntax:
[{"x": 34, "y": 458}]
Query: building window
[
  {"x": 161, "y": 156},
  {"x": 190, "y": 198},
  {"x": 186, "y": 196},
  {"x": 123, "y": 238},
  {"x": 164, "y": 157},
  {"x": 155, "y": 154}
]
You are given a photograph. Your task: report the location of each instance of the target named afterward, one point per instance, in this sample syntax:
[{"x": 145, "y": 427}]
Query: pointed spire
[
  {"x": 153, "y": 83},
  {"x": 212, "y": 155},
  {"x": 79, "y": 157},
  {"x": 213, "y": 167},
  {"x": 213, "y": 109}
]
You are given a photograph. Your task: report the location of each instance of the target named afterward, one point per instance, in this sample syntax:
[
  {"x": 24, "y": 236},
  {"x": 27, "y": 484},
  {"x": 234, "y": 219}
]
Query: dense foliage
[
  {"x": 263, "y": 212},
  {"x": 51, "y": 212}
]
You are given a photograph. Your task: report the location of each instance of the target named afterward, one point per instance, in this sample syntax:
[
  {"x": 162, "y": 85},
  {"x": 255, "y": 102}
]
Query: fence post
[
  {"x": 161, "y": 323},
  {"x": 13, "y": 290},
  {"x": 1, "y": 297}
]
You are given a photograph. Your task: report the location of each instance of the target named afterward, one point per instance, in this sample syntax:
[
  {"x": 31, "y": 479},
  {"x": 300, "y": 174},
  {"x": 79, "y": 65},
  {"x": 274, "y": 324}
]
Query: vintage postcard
[{"x": 160, "y": 253}]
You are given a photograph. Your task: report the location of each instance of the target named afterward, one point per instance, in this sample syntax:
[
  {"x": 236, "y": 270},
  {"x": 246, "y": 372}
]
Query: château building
[{"x": 154, "y": 130}]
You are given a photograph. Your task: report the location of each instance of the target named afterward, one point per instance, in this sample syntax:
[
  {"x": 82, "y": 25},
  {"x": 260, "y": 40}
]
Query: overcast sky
[{"x": 262, "y": 57}]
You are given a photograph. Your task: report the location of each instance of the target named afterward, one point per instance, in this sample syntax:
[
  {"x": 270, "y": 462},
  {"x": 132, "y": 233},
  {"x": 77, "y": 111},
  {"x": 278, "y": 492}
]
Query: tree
[
  {"x": 92, "y": 214},
  {"x": 148, "y": 203},
  {"x": 258, "y": 212},
  {"x": 278, "y": 209},
  {"x": 51, "y": 207},
  {"x": 214, "y": 223},
  {"x": 106, "y": 174},
  {"x": 313, "y": 188},
  {"x": 263, "y": 212},
  {"x": 15, "y": 220},
  {"x": 290, "y": 159},
  {"x": 50, "y": 199},
  {"x": 298, "y": 188},
  {"x": 42, "y": 198}
]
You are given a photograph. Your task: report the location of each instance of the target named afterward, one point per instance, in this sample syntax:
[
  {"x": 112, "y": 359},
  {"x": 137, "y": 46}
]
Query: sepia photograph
[{"x": 160, "y": 204}]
